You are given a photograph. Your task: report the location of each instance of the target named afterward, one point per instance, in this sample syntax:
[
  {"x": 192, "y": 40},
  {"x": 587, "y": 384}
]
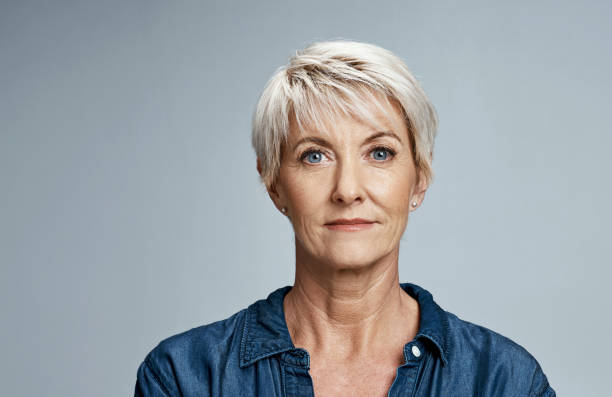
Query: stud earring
[
  {"x": 414, "y": 203},
  {"x": 284, "y": 210}
]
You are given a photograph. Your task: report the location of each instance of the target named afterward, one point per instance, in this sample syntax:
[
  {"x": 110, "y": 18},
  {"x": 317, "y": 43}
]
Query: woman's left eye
[{"x": 381, "y": 153}]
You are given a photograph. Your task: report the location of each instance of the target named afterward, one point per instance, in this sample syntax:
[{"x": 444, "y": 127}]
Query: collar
[{"x": 265, "y": 331}]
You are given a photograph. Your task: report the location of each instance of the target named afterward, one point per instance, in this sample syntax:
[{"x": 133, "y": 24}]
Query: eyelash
[{"x": 391, "y": 152}]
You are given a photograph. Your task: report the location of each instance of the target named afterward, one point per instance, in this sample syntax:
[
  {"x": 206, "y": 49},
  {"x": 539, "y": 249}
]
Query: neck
[{"x": 349, "y": 310}]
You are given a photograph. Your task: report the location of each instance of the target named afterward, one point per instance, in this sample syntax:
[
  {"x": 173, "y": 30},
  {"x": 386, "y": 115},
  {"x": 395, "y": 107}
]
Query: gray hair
[{"x": 329, "y": 79}]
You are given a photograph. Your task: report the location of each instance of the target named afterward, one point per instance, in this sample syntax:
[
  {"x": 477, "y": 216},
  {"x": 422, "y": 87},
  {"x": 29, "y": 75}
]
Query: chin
[{"x": 352, "y": 257}]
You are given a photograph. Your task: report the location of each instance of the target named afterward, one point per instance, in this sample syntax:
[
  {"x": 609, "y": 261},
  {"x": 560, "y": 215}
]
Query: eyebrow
[{"x": 323, "y": 142}]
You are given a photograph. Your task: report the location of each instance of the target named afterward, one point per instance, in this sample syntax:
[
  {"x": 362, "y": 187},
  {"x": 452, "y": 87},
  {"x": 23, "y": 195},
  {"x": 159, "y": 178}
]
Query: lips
[
  {"x": 350, "y": 225},
  {"x": 354, "y": 221}
]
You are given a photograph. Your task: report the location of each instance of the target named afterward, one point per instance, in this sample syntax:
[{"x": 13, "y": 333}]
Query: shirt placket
[
  {"x": 405, "y": 382},
  {"x": 296, "y": 379},
  {"x": 298, "y": 383}
]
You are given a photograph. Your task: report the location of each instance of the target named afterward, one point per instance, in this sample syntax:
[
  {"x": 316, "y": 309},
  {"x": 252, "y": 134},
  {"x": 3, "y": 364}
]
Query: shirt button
[{"x": 416, "y": 351}]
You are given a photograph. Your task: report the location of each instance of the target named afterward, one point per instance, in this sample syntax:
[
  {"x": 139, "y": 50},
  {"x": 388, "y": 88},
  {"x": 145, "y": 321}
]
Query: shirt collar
[{"x": 265, "y": 331}]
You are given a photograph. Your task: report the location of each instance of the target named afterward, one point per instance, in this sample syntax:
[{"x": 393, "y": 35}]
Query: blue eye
[
  {"x": 313, "y": 156},
  {"x": 382, "y": 153}
]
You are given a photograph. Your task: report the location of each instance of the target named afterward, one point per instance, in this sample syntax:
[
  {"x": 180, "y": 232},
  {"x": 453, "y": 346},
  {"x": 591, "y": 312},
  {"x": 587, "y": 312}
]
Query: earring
[
  {"x": 414, "y": 203},
  {"x": 284, "y": 210}
]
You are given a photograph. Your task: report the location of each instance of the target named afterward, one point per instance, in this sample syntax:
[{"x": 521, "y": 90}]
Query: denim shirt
[{"x": 251, "y": 354}]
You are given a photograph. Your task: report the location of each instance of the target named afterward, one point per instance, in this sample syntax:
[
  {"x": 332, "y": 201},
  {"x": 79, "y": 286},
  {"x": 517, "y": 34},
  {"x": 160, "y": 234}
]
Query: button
[{"x": 416, "y": 351}]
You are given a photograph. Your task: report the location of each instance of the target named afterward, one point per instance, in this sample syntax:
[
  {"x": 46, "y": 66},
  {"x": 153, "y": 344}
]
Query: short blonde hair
[{"x": 328, "y": 79}]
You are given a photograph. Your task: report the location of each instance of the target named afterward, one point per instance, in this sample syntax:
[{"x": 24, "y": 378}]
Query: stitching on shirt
[
  {"x": 425, "y": 363},
  {"x": 291, "y": 365},
  {"x": 269, "y": 354},
  {"x": 156, "y": 377},
  {"x": 244, "y": 347},
  {"x": 437, "y": 343},
  {"x": 283, "y": 378},
  {"x": 447, "y": 340}
]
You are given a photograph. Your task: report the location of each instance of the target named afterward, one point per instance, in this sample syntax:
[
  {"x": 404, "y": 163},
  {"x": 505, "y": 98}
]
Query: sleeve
[
  {"x": 148, "y": 383},
  {"x": 540, "y": 386},
  {"x": 549, "y": 392}
]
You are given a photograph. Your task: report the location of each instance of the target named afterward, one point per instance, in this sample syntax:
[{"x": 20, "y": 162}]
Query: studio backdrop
[{"x": 131, "y": 208}]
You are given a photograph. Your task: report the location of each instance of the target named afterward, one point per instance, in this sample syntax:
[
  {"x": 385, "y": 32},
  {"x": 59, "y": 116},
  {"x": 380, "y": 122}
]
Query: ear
[
  {"x": 272, "y": 190},
  {"x": 419, "y": 192}
]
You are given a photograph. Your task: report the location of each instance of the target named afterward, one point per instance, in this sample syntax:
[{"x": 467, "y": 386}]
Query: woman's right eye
[{"x": 312, "y": 156}]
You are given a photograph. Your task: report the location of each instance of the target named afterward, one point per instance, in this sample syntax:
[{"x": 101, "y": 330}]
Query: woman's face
[{"x": 356, "y": 170}]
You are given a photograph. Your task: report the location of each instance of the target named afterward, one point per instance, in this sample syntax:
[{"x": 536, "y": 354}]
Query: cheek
[
  {"x": 306, "y": 196},
  {"x": 391, "y": 190},
  {"x": 307, "y": 199}
]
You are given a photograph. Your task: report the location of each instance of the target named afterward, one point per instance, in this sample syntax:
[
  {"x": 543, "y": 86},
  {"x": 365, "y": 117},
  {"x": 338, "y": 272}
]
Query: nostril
[{"x": 344, "y": 198}]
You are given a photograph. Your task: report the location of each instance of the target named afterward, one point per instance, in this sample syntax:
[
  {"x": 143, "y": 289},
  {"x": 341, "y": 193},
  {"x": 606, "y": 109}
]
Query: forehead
[{"x": 373, "y": 112}]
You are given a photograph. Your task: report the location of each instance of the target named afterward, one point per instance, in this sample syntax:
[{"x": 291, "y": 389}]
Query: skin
[{"x": 346, "y": 307}]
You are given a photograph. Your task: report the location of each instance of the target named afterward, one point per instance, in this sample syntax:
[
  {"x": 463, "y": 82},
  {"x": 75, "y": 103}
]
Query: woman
[{"x": 344, "y": 137}]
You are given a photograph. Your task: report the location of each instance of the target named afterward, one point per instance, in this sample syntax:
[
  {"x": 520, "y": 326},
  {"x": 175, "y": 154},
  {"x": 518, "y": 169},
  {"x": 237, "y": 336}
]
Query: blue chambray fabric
[{"x": 251, "y": 354}]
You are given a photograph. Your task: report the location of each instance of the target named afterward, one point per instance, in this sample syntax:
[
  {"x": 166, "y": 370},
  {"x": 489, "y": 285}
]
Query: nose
[{"x": 348, "y": 183}]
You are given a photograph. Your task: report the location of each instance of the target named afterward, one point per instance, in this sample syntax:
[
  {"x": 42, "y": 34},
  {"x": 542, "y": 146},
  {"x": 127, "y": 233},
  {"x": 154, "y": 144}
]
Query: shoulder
[
  {"x": 494, "y": 358},
  {"x": 474, "y": 340},
  {"x": 186, "y": 358},
  {"x": 204, "y": 341}
]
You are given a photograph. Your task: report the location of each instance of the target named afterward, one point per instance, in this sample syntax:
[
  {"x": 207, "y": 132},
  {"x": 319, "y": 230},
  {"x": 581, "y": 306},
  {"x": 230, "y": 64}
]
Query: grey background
[{"x": 130, "y": 207}]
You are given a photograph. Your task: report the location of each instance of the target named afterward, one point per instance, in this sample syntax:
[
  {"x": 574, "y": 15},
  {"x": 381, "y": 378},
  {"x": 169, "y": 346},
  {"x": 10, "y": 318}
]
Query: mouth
[{"x": 350, "y": 225}]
